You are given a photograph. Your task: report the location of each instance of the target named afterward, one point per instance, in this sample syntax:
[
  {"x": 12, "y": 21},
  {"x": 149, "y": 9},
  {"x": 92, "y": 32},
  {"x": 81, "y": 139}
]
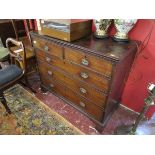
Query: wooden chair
[
  {"x": 12, "y": 74},
  {"x": 30, "y": 56}
]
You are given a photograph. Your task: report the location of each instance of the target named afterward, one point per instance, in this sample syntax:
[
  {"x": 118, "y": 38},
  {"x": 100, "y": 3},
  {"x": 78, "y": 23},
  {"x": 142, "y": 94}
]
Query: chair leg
[{"x": 3, "y": 101}]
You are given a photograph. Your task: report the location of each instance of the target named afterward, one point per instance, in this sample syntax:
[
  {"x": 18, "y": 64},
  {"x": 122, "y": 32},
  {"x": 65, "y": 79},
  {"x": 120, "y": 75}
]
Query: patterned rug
[{"x": 30, "y": 116}]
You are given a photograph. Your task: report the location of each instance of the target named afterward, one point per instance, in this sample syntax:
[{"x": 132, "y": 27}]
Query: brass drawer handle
[
  {"x": 52, "y": 85},
  {"x": 82, "y": 104},
  {"x": 84, "y": 75},
  {"x": 85, "y": 62},
  {"x": 48, "y": 59},
  {"x": 46, "y": 48},
  {"x": 49, "y": 72},
  {"x": 82, "y": 90}
]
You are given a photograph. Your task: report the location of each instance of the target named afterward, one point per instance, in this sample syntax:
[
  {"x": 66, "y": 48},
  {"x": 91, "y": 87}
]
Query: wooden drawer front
[
  {"x": 89, "y": 92},
  {"x": 48, "y": 47},
  {"x": 84, "y": 104},
  {"x": 47, "y": 71},
  {"x": 89, "y": 61},
  {"x": 44, "y": 56},
  {"x": 79, "y": 101},
  {"x": 53, "y": 86}
]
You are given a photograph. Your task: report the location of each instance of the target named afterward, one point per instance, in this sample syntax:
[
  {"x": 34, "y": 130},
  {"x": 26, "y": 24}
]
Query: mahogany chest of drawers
[{"x": 89, "y": 73}]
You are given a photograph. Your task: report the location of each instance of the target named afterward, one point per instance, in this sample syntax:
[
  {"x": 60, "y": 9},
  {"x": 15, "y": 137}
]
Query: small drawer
[
  {"x": 44, "y": 56},
  {"x": 89, "y": 92},
  {"x": 48, "y": 47},
  {"x": 89, "y": 61}
]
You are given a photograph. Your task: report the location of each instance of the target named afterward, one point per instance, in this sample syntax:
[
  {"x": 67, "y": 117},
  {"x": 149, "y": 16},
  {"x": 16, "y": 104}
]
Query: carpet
[{"x": 30, "y": 116}]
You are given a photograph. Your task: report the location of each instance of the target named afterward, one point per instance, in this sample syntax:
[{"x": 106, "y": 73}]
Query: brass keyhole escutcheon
[
  {"x": 48, "y": 59},
  {"x": 46, "y": 48},
  {"x": 84, "y": 75},
  {"x": 49, "y": 73},
  {"x": 82, "y": 90},
  {"x": 82, "y": 104},
  {"x": 85, "y": 62}
]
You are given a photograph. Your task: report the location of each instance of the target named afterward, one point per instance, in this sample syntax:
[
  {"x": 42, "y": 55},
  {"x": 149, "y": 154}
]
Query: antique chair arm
[
  {"x": 19, "y": 54},
  {"x": 17, "y": 43}
]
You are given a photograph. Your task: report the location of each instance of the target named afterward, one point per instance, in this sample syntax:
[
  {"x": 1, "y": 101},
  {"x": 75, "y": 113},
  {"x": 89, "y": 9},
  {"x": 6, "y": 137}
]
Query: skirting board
[{"x": 129, "y": 109}]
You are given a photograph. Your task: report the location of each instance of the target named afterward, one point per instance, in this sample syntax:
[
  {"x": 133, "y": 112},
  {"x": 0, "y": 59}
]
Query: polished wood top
[{"x": 107, "y": 48}]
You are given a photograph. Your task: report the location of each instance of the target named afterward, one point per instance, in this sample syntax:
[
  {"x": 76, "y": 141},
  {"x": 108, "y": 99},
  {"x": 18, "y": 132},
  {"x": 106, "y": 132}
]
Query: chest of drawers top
[{"x": 104, "y": 48}]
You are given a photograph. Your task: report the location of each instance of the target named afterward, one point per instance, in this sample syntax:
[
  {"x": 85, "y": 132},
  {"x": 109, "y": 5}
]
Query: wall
[{"x": 143, "y": 70}]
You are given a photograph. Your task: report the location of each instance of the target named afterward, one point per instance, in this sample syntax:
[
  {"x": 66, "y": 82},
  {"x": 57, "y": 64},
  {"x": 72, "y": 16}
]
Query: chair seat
[
  {"x": 4, "y": 54},
  {"x": 9, "y": 74}
]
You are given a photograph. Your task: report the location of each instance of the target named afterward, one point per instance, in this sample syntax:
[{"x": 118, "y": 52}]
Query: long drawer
[
  {"x": 89, "y": 61},
  {"x": 77, "y": 100},
  {"x": 48, "y": 47},
  {"x": 46, "y": 70},
  {"x": 79, "y": 72}
]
